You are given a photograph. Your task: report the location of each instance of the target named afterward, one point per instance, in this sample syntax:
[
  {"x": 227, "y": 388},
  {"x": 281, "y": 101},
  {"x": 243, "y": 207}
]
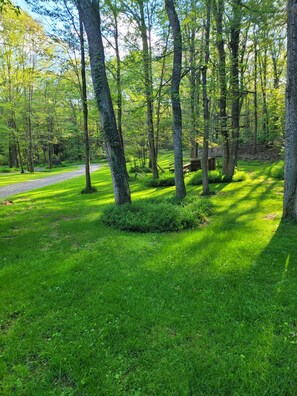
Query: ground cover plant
[
  {"x": 88, "y": 309},
  {"x": 157, "y": 216}
]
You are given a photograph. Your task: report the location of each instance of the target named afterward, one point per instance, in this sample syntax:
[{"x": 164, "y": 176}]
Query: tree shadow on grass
[
  {"x": 277, "y": 268},
  {"x": 201, "y": 312}
]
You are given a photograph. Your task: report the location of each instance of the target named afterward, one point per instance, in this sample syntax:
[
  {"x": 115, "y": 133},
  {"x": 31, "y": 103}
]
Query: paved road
[{"x": 29, "y": 185}]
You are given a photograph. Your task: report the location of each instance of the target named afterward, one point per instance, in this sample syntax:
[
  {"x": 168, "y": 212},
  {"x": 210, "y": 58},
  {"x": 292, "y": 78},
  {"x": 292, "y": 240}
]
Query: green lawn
[
  {"x": 90, "y": 310},
  {"x": 17, "y": 177}
]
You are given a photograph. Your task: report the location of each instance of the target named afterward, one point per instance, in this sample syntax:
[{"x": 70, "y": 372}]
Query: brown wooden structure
[{"x": 195, "y": 164}]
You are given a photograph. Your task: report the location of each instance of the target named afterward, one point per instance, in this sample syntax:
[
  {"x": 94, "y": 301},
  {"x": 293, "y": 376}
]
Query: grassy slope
[
  {"x": 88, "y": 310},
  {"x": 16, "y": 177}
]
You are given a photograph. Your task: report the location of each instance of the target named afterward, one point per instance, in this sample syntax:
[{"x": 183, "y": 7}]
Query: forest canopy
[{"x": 41, "y": 107}]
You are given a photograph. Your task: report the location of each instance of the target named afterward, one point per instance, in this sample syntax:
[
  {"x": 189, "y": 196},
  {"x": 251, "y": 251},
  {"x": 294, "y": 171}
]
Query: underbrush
[
  {"x": 215, "y": 176},
  {"x": 6, "y": 169},
  {"x": 157, "y": 216}
]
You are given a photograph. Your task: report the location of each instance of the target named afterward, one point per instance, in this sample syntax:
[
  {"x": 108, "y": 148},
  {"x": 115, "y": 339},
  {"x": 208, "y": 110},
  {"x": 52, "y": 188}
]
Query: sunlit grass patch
[{"x": 86, "y": 307}]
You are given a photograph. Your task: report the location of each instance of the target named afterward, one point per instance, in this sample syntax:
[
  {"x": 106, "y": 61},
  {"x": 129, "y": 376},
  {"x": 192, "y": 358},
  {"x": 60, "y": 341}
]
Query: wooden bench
[{"x": 195, "y": 164}]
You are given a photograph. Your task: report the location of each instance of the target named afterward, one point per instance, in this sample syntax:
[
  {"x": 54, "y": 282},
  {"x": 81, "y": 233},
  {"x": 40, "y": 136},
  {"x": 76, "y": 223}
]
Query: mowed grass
[
  {"x": 17, "y": 177},
  {"x": 90, "y": 310}
]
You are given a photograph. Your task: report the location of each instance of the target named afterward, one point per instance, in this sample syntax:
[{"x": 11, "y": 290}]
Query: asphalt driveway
[{"x": 29, "y": 185}]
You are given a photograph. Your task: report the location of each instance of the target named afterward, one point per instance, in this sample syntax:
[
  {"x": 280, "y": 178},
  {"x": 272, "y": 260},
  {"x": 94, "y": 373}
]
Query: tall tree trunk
[
  {"x": 118, "y": 77},
  {"x": 20, "y": 156},
  {"x": 220, "y": 43},
  {"x": 175, "y": 98},
  {"x": 290, "y": 195},
  {"x": 12, "y": 153},
  {"x": 263, "y": 80},
  {"x": 115, "y": 153},
  {"x": 193, "y": 84},
  {"x": 12, "y": 148},
  {"x": 235, "y": 108},
  {"x": 29, "y": 135},
  {"x": 158, "y": 110},
  {"x": 206, "y": 115},
  {"x": 50, "y": 122},
  {"x": 255, "y": 97},
  {"x": 276, "y": 81},
  {"x": 148, "y": 90},
  {"x": 84, "y": 99}
]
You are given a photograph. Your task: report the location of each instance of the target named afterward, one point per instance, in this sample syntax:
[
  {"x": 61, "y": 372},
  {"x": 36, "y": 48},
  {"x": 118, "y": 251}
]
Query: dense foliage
[
  {"x": 156, "y": 216},
  {"x": 40, "y": 91}
]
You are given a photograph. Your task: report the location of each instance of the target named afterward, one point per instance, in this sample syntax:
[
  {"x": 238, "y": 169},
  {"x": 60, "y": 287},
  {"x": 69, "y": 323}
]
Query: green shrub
[
  {"x": 196, "y": 179},
  {"x": 6, "y": 169},
  {"x": 276, "y": 170},
  {"x": 165, "y": 180},
  {"x": 156, "y": 216},
  {"x": 239, "y": 176},
  {"x": 214, "y": 176}
]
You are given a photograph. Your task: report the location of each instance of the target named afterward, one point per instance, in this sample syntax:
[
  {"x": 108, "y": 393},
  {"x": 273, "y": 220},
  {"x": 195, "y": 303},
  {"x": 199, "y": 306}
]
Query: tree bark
[
  {"x": 161, "y": 83},
  {"x": 118, "y": 74},
  {"x": 193, "y": 83},
  {"x": 206, "y": 114},
  {"x": 263, "y": 81},
  {"x": 175, "y": 98},
  {"x": 84, "y": 99},
  {"x": 148, "y": 90},
  {"x": 234, "y": 83},
  {"x": 255, "y": 98},
  {"x": 290, "y": 193},
  {"x": 29, "y": 134},
  {"x": 220, "y": 43},
  {"x": 90, "y": 15}
]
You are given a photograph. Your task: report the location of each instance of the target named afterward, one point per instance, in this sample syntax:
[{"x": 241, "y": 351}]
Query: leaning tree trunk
[
  {"x": 115, "y": 153},
  {"x": 290, "y": 196},
  {"x": 175, "y": 98}
]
